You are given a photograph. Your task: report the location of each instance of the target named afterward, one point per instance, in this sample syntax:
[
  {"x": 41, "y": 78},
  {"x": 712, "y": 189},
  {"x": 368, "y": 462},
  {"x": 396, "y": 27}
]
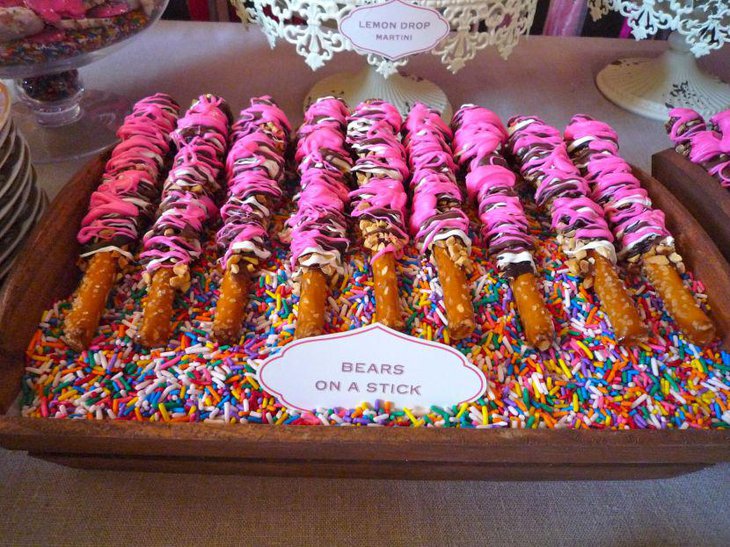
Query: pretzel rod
[
  {"x": 254, "y": 169},
  {"x": 478, "y": 139},
  {"x": 312, "y": 302},
  {"x": 579, "y": 221},
  {"x": 679, "y": 301},
  {"x": 616, "y": 302},
  {"x": 379, "y": 203},
  {"x": 119, "y": 209},
  {"x": 387, "y": 308},
  {"x": 457, "y": 296},
  {"x": 174, "y": 240},
  {"x": 88, "y": 305},
  {"x": 639, "y": 229},
  {"x": 230, "y": 307},
  {"x": 536, "y": 319},
  {"x": 437, "y": 221},
  {"x": 157, "y": 309},
  {"x": 319, "y": 226}
]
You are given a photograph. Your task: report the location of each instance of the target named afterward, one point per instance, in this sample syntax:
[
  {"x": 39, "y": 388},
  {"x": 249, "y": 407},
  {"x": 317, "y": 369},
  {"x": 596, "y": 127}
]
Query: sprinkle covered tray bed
[{"x": 46, "y": 272}]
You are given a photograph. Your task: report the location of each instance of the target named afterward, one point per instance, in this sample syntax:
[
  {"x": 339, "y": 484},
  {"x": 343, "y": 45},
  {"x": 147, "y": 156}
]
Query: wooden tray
[
  {"x": 699, "y": 192},
  {"x": 46, "y": 270}
]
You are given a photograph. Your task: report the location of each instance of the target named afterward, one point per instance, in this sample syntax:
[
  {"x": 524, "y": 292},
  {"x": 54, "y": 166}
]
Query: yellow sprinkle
[
  {"x": 254, "y": 383},
  {"x": 462, "y": 409},
  {"x": 271, "y": 294},
  {"x": 565, "y": 368},
  {"x": 282, "y": 419},
  {"x": 575, "y": 402},
  {"x": 446, "y": 336},
  {"x": 193, "y": 410},
  {"x": 163, "y": 411},
  {"x": 67, "y": 394},
  {"x": 588, "y": 352},
  {"x": 410, "y": 416},
  {"x": 485, "y": 417}
]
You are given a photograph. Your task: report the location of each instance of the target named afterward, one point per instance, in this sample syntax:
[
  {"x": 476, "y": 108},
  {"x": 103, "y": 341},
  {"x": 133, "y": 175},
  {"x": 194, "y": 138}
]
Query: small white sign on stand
[
  {"x": 368, "y": 364},
  {"x": 394, "y": 29}
]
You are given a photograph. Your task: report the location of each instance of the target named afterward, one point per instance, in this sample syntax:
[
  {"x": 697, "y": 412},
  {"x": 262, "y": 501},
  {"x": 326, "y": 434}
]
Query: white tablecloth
[{"x": 550, "y": 77}]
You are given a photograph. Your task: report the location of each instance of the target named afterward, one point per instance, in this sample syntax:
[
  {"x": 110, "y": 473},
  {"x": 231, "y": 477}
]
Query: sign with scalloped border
[
  {"x": 394, "y": 29},
  {"x": 368, "y": 364}
]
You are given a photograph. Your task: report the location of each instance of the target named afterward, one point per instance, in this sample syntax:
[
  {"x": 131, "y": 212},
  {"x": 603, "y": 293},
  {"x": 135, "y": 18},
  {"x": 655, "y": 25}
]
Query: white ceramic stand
[
  {"x": 400, "y": 90},
  {"x": 649, "y": 87}
]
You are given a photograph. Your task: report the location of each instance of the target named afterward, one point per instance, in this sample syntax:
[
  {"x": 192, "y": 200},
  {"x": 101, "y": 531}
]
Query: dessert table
[{"x": 548, "y": 76}]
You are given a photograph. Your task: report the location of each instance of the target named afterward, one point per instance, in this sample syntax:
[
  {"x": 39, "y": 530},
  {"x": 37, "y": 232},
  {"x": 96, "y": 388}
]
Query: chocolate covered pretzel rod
[
  {"x": 583, "y": 233},
  {"x": 188, "y": 205},
  {"x": 379, "y": 204},
  {"x": 437, "y": 221},
  {"x": 639, "y": 229},
  {"x": 119, "y": 209},
  {"x": 478, "y": 140},
  {"x": 319, "y": 227},
  {"x": 254, "y": 170},
  {"x": 707, "y": 145}
]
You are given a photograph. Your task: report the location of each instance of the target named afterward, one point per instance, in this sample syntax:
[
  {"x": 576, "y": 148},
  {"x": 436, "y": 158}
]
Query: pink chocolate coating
[
  {"x": 478, "y": 138},
  {"x": 254, "y": 169},
  {"x": 544, "y": 160},
  {"x": 707, "y": 145},
  {"x": 51, "y": 11},
  {"x": 683, "y": 124},
  {"x": 319, "y": 227},
  {"x": 436, "y": 202},
  {"x": 125, "y": 201},
  {"x": 633, "y": 221},
  {"x": 710, "y": 150},
  {"x": 373, "y": 134},
  {"x": 188, "y": 195}
]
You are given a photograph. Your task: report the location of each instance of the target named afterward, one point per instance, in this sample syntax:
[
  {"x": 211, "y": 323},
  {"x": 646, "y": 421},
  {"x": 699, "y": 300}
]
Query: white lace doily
[
  {"x": 705, "y": 24},
  {"x": 312, "y": 26}
]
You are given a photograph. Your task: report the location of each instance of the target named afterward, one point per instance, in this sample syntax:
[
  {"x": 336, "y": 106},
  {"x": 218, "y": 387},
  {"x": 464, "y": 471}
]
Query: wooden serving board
[
  {"x": 699, "y": 192},
  {"x": 46, "y": 270}
]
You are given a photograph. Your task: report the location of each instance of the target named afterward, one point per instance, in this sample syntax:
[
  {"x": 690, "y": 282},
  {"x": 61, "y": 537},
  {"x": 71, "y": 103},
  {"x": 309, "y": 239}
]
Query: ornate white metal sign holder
[
  {"x": 649, "y": 86},
  {"x": 387, "y": 33}
]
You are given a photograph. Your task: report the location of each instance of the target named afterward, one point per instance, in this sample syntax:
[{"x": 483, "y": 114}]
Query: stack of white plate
[{"x": 21, "y": 201}]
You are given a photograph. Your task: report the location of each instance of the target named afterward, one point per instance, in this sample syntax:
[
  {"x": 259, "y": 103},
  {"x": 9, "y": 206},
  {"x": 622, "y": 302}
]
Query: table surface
[{"x": 547, "y": 76}]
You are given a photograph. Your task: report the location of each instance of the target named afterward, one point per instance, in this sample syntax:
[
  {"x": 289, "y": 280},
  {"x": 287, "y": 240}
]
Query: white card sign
[
  {"x": 394, "y": 29},
  {"x": 374, "y": 362}
]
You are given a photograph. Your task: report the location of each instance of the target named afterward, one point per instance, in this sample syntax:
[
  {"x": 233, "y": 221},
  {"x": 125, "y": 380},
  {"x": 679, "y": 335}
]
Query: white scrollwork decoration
[
  {"x": 312, "y": 26},
  {"x": 704, "y": 24}
]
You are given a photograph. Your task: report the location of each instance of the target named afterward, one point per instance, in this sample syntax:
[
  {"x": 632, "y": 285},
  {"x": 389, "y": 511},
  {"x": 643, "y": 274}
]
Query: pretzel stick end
[
  {"x": 88, "y": 304},
  {"x": 229, "y": 309},
  {"x": 312, "y": 302},
  {"x": 157, "y": 312},
  {"x": 681, "y": 305},
  {"x": 616, "y": 302},
  {"x": 457, "y": 296},
  {"x": 536, "y": 320},
  {"x": 387, "y": 301}
]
